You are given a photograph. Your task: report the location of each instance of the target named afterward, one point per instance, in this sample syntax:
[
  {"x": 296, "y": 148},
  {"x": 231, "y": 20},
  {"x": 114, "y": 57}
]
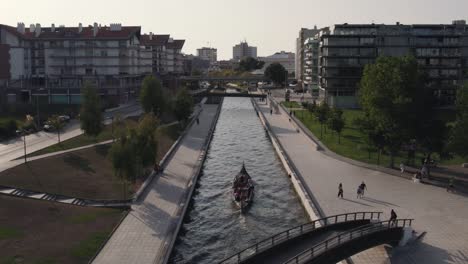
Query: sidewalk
[
  {"x": 146, "y": 232},
  {"x": 443, "y": 215}
]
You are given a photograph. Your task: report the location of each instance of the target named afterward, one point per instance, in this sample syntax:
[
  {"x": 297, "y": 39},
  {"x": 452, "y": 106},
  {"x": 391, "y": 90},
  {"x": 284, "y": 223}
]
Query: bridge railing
[
  {"x": 297, "y": 231},
  {"x": 344, "y": 237}
]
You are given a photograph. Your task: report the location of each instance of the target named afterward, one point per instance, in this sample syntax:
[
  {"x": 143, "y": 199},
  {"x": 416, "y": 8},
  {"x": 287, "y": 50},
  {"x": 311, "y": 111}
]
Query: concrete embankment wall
[
  {"x": 192, "y": 185},
  {"x": 304, "y": 197}
]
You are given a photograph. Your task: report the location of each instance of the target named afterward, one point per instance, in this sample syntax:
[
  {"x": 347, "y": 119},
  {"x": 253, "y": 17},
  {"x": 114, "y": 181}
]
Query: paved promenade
[
  {"x": 443, "y": 215},
  {"x": 145, "y": 234}
]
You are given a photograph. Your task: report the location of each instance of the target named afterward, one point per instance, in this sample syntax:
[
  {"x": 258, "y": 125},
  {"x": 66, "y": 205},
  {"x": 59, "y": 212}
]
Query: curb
[
  {"x": 196, "y": 175},
  {"x": 163, "y": 162},
  {"x": 309, "y": 202}
]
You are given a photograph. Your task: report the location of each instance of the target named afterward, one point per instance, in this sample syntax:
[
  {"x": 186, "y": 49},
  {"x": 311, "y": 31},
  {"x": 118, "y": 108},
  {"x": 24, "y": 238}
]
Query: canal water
[{"x": 214, "y": 228}]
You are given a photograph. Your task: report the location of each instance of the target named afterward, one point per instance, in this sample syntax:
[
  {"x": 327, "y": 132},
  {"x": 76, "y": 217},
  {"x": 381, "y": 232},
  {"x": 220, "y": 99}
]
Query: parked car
[
  {"x": 64, "y": 118},
  {"x": 48, "y": 127}
]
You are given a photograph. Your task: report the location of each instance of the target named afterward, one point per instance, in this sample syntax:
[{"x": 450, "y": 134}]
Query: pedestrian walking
[
  {"x": 271, "y": 111},
  {"x": 359, "y": 192},
  {"x": 393, "y": 217},
  {"x": 198, "y": 121},
  {"x": 450, "y": 187},
  {"x": 424, "y": 171},
  {"x": 340, "y": 190},
  {"x": 362, "y": 187},
  {"x": 402, "y": 167}
]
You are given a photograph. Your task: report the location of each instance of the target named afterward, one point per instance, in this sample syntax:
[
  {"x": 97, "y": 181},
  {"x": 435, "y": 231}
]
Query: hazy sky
[{"x": 271, "y": 25}]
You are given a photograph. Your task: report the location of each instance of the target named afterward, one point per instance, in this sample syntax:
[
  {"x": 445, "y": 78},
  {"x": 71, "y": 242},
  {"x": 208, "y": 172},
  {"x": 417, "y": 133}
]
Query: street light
[
  {"x": 23, "y": 133},
  {"x": 37, "y": 108}
]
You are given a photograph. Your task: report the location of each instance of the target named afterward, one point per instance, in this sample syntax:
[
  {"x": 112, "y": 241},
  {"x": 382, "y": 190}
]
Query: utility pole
[{"x": 24, "y": 143}]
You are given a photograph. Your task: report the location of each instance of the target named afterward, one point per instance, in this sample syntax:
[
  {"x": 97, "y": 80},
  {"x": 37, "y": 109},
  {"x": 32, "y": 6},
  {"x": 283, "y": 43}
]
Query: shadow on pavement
[
  {"x": 424, "y": 253},
  {"x": 355, "y": 201},
  {"x": 372, "y": 200}
]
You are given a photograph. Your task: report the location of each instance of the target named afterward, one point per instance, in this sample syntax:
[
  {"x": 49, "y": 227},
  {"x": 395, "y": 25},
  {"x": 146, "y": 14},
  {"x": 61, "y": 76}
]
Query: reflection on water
[{"x": 214, "y": 228}]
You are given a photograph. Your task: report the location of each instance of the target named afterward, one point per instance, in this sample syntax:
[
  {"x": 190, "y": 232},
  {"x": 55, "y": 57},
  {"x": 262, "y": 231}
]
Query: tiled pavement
[
  {"x": 443, "y": 215},
  {"x": 147, "y": 231}
]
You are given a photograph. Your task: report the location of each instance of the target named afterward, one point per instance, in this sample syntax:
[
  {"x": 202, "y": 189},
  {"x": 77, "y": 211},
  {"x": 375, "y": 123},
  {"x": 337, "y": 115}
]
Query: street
[{"x": 14, "y": 148}]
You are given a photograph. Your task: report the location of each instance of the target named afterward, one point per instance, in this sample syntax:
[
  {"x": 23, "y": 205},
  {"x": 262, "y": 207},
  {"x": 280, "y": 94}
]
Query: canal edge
[
  {"x": 167, "y": 251},
  {"x": 308, "y": 202}
]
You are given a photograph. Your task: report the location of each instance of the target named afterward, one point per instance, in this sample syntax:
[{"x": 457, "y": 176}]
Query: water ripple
[{"x": 214, "y": 228}]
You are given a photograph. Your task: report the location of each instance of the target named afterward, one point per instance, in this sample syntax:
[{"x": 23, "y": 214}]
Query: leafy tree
[
  {"x": 183, "y": 105},
  {"x": 196, "y": 72},
  {"x": 90, "y": 114},
  {"x": 322, "y": 113},
  {"x": 388, "y": 93},
  {"x": 336, "y": 122},
  {"x": 250, "y": 64},
  {"x": 57, "y": 124},
  {"x": 276, "y": 72},
  {"x": 152, "y": 96},
  {"x": 458, "y": 142}
]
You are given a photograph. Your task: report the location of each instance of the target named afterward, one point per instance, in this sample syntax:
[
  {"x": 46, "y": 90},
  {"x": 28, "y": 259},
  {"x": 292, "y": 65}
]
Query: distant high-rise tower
[{"x": 243, "y": 50}]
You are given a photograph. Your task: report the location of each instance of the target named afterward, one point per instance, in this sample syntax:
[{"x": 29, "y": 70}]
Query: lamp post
[
  {"x": 37, "y": 108},
  {"x": 24, "y": 144}
]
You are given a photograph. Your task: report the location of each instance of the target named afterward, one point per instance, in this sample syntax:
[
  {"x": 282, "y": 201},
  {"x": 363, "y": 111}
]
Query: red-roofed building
[
  {"x": 60, "y": 59},
  {"x": 167, "y": 53}
]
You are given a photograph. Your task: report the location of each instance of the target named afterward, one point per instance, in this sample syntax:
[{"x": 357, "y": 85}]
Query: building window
[{"x": 88, "y": 71}]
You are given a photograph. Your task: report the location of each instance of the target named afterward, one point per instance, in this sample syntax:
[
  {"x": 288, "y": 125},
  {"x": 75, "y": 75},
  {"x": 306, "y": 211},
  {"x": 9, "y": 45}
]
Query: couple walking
[{"x": 360, "y": 192}]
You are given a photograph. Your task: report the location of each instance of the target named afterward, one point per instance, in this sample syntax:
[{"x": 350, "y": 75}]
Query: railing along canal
[
  {"x": 297, "y": 231},
  {"x": 345, "y": 237}
]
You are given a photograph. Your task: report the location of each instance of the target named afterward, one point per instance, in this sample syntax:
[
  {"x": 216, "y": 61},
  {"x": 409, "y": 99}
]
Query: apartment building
[
  {"x": 52, "y": 63},
  {"x": 243, "y": 50},
  {"x": 310, "y": 79},
  {"x": 441, "y": 50},
  {"x": 304, "y": 34},
  {"x": 209, "y": 54},
  {"x": 167, "y": 57}
]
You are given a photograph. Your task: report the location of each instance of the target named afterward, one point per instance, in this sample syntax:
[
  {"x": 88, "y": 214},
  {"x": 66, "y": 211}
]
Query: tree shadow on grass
[
  {"x": 78, "y": 163},
  {"x": 102, "y": 150}
]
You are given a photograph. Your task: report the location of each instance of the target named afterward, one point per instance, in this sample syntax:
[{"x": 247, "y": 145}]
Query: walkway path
[
  {"x": 443, "y": 215},
  {"x": 14, "y": 148},
  {"x": 147, "y": 231}
]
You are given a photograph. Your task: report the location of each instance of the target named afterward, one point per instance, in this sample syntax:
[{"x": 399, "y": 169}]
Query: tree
[
  {"x": 322, "y": 113},
  {"x": 90, "y": 114},
  {"x": 388, "y": 94},
  {"x": 336, "y": 122},
  {"x": 152, "y": 96},
  {"x": 458, "y": 142},
  {"x": 183, "y": 105},
  {"x": 250, "y": 64},
  {"x": 276, "y": 72},
  {"x": 57, "y": 123}
]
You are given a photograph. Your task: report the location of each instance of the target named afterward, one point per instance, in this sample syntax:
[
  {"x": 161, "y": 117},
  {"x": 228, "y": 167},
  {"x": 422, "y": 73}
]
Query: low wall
[
  {"x": 196, "y": 174},
  {"x": 307, "y": 201}
]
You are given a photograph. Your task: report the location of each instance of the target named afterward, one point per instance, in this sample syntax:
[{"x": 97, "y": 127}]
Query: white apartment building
[
  {"x": 60, "y": 59},
  {"x": 166, "y": 52},
  {"x": 243, "y": 50},
  {"x": 209, "y": 54},
  {"x": 304, "y": 34}
]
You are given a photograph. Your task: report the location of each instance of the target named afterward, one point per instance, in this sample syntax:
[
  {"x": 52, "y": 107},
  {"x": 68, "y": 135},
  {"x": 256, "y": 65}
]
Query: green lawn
[
  {"x": 353, "y": 144},
  {"x": 88, "y": 247},
  {"x": 9, "y": 232},
  {"x": 291, "y": 104}
]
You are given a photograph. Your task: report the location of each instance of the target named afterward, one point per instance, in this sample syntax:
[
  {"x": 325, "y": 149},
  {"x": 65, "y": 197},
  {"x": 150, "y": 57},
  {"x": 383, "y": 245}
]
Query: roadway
[{"x": 14, "y": 148}]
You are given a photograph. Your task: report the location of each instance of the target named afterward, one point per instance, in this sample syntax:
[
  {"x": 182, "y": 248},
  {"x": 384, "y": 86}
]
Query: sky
[{"x": 270, "y": 25}]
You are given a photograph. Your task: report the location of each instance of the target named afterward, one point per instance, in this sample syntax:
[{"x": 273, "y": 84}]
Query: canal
[{"x": 214, "y": 228}]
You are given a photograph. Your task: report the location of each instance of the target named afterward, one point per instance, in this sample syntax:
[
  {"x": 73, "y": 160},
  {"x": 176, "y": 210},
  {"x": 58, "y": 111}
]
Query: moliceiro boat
[{"x": 243, "y": 189}]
